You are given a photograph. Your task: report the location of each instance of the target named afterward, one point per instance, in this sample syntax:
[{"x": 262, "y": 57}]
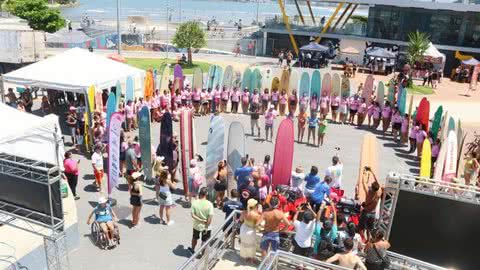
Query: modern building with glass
[{"x": 453, "y": 27}]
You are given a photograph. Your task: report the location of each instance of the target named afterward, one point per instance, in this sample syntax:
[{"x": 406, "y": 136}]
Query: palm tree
[{"x": 418, "y": 43}]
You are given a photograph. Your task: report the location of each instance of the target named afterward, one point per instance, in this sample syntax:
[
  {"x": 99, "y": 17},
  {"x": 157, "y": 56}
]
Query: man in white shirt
[
  {"x": 302, "y": 241},
  {"x": 97, "y": 164},
  {"x": 335, "y": 172}
]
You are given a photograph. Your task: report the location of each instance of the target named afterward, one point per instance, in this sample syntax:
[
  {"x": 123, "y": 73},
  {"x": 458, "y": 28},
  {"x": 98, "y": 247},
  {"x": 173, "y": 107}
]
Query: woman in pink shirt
[
  {"x": 178, "y": 99},
  {"x": 413, "y": 137},
  {"x": 292, "y": 103},
  {"x": 189, "y": 97},
  {"x": 245, "y": 100},
  {"x": 275, "y": 98},
  {"x": 204, "y": 101},
  {"x": 324, "y": 104},
  {"x": 396, "y": 124},
  {"x": 404, "y": 129},
  {"x": 256, "y": 97},
  {"x": 354, "y": 103},
  {"x": 343, "y": 109},
  {"x": 184, "y": 93},
  {"x": 270, "y": 116},
  {"x": 283, "y": 102},
  {"x": 376, "y": 112},
  {"x": 196, "y": 100},
  {"x": 362, "y": 112},
  {"x": 265, "y": 99},
  {"x": 435, "y": 151},
  {"x": 71, "y": 172},
  {"x": 314, "y": 104},
  {"x": 420, "y": 137},
  {"x": 130, "y": 115},
  {"x": 335, "y": 103},
  {"x": 386, "y": 116},
  {"x": 225, "y": 97},
  {"x": 235, "y": 100},
  {"x": 218, "y": 98},
  {"x": 303, "y": 102}
]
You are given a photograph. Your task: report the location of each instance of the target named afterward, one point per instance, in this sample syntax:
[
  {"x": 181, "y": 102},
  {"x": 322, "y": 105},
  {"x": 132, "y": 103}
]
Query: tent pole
[
  {"x": 88, "y": 132},
  {"x": 2, "y": 89}
]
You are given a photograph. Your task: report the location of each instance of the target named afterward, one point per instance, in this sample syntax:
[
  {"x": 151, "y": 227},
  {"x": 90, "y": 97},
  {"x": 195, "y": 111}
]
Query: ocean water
[{"x": 226, "y": 12}]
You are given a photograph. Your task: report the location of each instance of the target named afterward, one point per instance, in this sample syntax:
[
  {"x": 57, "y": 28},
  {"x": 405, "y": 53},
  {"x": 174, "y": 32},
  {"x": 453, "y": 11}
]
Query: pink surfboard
[
  {"x": 368, "y": 89},
  {"x": 450, "y": 170},
  {"x": 178, "y": 77},
  {"x": 326, "y": 85},
  {"x": 283, "y": 155},
  {"x": 186, "y": 145}
]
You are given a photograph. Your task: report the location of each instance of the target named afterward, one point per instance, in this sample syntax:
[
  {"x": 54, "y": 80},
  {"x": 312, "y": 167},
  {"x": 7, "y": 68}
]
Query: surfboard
[
  {"x": 304, "y": 85},
  {"x": 451, "y": 124},
  {"x": 91, "y": 99},
  {"x": 345, "y": 87},
  {"x": 326, "y": 85},
  {"x": 228, "y": 77},
  {"x": 284, "y": 81},
  {"x": 236, "y": 149},
  {"x": 211, "y": 76},
  {"x": 459, "y": 132},
  {"x": 275, "y": 83},
  {"x": 336, "y": 85},
  {"x": 217, "y": 82},
  {"x": 165, "y": 147},
  {"x": 381, "y": 94},
  {"x": 316, "y": 83},
  {"x": 423, "y": 113},
  {"x": 368, "y": 158},
  {"x": 402, "y": 101},
  {"x": 178, "y": 77},
  {"x": 267, "y": 78},
  {"x": 165, "y": 80},
  {"x": 391, "y": 93},
  {"x": 111, "y": 107},
  {"x": 197, "y": 79},
  {"x": 426, "y": 161},
  {"x": 148, "y": 85},
  {"x": 368, "y": 89},
  {"x": 129, "y": 91},
  {"x": 410, "y": 105},
  {"x": 293, "y": 81},
  {"x": 252, "y": 84},
  {"x": 215, "y": 149},
  {"x": 440, "y": 163},
  {"x": 118, "y": 94},
  {"x": 186, "y": 145},
  {"x": 246, "y": 79},
  {"x": 145, "y": 138},
  {"x": 98, "y": 102},
  {"x": 450, "y": 170},
  {"x": 283, "y": 154},
  {"x": 437, "y": 118},
  {"x": 237, "y": 81}
]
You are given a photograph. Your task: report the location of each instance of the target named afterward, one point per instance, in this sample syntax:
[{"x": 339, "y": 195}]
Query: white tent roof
[
  {"x": 74, "y": 70},
  {"x": 30, "y": 136},
  {"x": 433, "y": 52}
]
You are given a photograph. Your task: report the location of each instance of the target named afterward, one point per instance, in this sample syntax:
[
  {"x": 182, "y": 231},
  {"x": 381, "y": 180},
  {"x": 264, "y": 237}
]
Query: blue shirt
[
  {"x": 312, "y": 122},
  {"x": 242, "y": 174},
  {"x": 231, "y": 206},
  {"x": 311, "y": 181},
  {"x": 103, "y": 214},
  {"x": 321, "y": 190}
]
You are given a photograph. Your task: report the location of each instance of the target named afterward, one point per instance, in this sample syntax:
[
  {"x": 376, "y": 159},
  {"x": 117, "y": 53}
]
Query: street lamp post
[
  {"x": 258, "y": 4},
  {"x": 168, "y": 38},
  {"x": 119, "y": 37}
]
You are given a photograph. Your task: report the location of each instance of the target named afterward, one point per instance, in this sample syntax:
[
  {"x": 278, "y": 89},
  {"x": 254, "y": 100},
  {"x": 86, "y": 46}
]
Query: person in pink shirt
[
  {"x": 314, "y": 104},
  {"x": 218, "y": 98},
  {"x": 362, "y": 112},
  {"x": 343, "y": 109},
  {"x": 245, "y": 100},
  {"x": 324, "y": 106},
  {"x": 386, "y": 116},
  {"x": 265, "y": 100},
  {"x": 71, "y": 172},
  {"x": 303, "y": 102},
  {"x": 196, "y": 100},
  {"x": 404, "y": 129},
  {"x": 376, "y": 112},
  {"x": 235, "y": 97},
  {"x": 396, "y": 124},
  {"x": 204, "y": 102},
  {"x": 270, "y": 116},
  {"x": 130, "y": 115},
  {"x": 189, "y": 97},
  {"x": 283, "y": 102},
  {"x": 435, "y": 151},
  {"x": 184, "y": 93},
  {"x": 420, "y": 137},
  {"x": 210, "y": 100},
  {"x": 225, "y": 97},
  {"x": 154, "y": 104},
  {"x": 354, "y": 103},
  {"x": 412, "y": 138},
  {"x": 292, "y": 103},
  {"x": 275, "y": 98},
  {"x": 335, "y": 103},
  {"x": 256, "y": 98},
  {"x": 178, "y": 99}
]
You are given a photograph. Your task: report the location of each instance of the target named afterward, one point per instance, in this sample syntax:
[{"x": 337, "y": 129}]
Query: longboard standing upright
[
  {"x": 144, "y": 135},
  {"x": 368, "y": 89},
  {"x": 165, "y": 148},
  {"x": 215, "y": 151},
  {"x": 368, "y": 166},
  {"x": 236, "y": 149},
  {"x": 186, "y": 145},
  {"x": 283, "y": 154}
]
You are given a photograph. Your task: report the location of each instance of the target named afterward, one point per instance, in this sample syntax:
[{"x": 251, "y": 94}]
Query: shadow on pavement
[
  {"x": 152, "y": 219},
  {"x": 181, "y": 251}
]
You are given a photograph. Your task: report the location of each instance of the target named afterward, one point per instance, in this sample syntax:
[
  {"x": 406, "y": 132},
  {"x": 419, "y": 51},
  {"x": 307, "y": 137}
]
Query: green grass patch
[
  {"x": 157, "y": 63},
  {"x": 421, "y": 90}
]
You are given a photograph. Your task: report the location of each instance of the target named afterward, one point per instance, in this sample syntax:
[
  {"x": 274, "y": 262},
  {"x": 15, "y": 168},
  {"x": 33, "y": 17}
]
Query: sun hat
[{"x": 102, "y": 200}]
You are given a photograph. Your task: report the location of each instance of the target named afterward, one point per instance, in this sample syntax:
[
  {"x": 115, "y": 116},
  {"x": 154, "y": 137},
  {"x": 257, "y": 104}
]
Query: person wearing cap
[
  {"x": 250, "y": 220},
  {"x": 135, "y": 189},
  {"x": 97, "y": 164},
  {"x": 72, "y": 123},
  {"x": 325, "y": 234},
  {"x": 270, "y": 116},
  {"x": 335, "y": 172},
  {"x": 302, "y": 240},
  {"x": 105, "y": 216}
]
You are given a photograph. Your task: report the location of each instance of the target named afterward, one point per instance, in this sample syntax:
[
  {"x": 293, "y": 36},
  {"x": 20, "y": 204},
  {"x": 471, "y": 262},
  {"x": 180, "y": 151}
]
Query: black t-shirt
[
  {"x": 230, "y": 206},
  {"x": 247, "y": 192},
  {"x": 254, "y": 114}
]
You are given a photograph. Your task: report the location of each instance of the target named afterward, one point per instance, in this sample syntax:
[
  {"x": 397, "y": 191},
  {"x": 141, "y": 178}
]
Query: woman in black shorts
[
  {"x": 136, "y": 197},
  {"x": 221, "y": 183}
]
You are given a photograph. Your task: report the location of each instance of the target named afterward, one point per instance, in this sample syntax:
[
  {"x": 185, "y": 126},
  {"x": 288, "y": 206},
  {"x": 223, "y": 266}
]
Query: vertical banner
[
  {"x": 114, "y": 130},
  {"x": 111, "y": 107},
  {"x": 474, "y": 80},
  {"x": 145, "y": 141}
]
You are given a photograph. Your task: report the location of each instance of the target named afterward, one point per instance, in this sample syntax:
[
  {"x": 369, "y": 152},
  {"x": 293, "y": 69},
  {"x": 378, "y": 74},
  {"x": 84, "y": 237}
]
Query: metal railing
[
  {"x": 401, "y": 262},
  {"x": 286, "y": 260}
]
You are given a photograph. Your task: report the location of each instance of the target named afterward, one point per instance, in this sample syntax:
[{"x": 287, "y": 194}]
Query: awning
[
  {"x": 380, "y": 53},
  {"x": 471, "y": 62},
  {"x": 315, "y": 47}
]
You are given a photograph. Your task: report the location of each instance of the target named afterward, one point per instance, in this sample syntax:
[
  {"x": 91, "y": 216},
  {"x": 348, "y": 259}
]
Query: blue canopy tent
[{"x": 471, "y": 62}]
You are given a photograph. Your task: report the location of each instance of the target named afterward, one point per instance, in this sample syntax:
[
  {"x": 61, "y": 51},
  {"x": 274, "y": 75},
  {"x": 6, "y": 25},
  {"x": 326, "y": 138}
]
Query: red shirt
[{"x": 71, "y": 166}]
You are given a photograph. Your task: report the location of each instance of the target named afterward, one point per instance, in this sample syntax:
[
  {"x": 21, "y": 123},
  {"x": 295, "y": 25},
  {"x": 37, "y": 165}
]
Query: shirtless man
[
  {"x": 347, "y": 259},
  {"x": 273, "y": 219}
]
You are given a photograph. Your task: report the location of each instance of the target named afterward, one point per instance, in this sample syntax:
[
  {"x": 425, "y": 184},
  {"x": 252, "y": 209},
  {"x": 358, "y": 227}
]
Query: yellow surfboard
[
  {"x": 368, "y": 159},
  {"x": 284, "y": 82},
  {"x": 426, "y": 161},
  {"x": 91, "y": 98},
  {"x": 275, "y": 84}
]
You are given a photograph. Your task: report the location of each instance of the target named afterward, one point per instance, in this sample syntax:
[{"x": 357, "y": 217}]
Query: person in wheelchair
[{"x": 105, "y": 217}]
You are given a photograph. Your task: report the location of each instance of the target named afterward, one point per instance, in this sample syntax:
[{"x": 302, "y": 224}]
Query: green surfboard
[
  {"x": 305, "y": 84},
  {"x": 246, "y": 79},
  {"x": 316, "y": 83},
  {"x": 345, "y": 87},
  {"x": 391, "y": 93},
  {"x": 451, "y": 124},
  {"x": 437, "y": 120},
  {"x": 217, "y": 82},
  {"x": 228, "y": 77},
  {"x": 381, "y": 94},
  {"x": 197, "y": 82}
]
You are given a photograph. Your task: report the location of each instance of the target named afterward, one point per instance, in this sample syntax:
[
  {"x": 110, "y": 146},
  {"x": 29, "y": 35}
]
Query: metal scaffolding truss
[{"x": 431, "y": 187}]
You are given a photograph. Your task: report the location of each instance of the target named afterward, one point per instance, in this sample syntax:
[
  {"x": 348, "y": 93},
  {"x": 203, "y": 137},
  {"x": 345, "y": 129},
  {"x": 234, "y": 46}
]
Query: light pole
[
  {"x": 119, "y": 37},
  {"x": 258, "y": 4},
  {"x": 168, "y": 20}
]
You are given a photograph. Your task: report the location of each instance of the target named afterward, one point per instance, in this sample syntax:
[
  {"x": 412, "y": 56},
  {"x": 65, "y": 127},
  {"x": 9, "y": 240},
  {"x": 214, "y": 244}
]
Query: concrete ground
[{"x": 152, "y": 245}]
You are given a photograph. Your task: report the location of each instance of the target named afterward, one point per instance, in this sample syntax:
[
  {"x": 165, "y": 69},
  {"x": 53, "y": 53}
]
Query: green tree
[
  {"x": 37, "y": 13},
  {"x": 189, "y": 35},
  {"x": 359, "y": 19},
  {"x": 418, "y": 43}
]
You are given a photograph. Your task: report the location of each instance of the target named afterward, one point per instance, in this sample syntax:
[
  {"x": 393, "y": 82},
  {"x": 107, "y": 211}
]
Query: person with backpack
[
  {"x": 376, "y": 252},
  {"x": 325, "y": 234}
]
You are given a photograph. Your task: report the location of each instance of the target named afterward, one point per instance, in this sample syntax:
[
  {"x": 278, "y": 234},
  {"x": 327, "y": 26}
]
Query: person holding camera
[
  {"x": 304, "y": 228},
  {"x": 369, "y": 207}
]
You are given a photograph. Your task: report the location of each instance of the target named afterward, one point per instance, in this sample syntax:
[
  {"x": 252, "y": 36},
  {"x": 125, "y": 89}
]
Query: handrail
[
  {"x": 403, "y": 262},
  {"x": 274, "y": 258}
]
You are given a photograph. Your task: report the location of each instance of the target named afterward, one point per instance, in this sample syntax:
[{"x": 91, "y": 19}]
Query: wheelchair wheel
[
  {"x": 98, "y": 236},
  {"x": 116, "y": 235}
]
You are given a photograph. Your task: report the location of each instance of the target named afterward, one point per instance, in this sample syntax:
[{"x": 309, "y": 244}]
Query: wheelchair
[{"x": 101, "y": 239}]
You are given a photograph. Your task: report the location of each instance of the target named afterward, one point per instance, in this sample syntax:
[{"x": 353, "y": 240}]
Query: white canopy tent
[
  {"x": 433, "y": 55},
  {"x": 74, "y": 71},
  {"x": 30, "y": 136}
]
